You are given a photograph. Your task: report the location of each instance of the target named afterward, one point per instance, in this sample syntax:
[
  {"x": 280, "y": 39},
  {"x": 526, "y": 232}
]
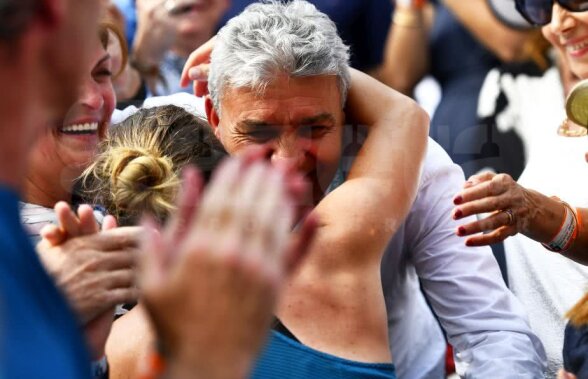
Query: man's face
[{"x": 300, "y": 119}]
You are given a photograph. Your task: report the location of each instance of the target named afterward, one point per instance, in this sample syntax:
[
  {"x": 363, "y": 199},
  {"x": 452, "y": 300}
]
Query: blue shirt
[
  {"x": 39, "y": 335},
  {"x": 284, "y": 357}
]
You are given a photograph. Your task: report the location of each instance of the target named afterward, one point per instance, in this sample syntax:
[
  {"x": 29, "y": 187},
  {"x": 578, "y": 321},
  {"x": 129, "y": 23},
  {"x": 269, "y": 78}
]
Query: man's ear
[{"x": 211, "y": 115}]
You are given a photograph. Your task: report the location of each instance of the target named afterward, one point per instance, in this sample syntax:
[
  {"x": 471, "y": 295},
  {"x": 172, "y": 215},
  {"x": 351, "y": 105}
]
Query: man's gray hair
[{"x": 273, "y": 38}]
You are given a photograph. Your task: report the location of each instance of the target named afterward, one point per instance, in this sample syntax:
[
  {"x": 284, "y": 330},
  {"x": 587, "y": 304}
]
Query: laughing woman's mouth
[{"x": 80, "y": 129}]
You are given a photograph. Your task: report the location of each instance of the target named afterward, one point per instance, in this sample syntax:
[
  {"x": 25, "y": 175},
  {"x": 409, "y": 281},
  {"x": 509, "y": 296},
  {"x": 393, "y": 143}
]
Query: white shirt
[
  {"x": 484, "y": 322},
  {"x": 547, "y": 284}
]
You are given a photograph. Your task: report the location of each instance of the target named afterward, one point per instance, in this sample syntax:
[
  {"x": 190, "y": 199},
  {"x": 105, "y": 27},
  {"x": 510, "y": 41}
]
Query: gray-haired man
[
  {"x": 280, "y": 77},
  {"x": 265, "y": 72}
]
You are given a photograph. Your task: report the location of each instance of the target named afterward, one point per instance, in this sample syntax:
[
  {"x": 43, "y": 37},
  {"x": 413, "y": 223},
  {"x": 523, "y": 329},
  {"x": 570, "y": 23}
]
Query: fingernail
[
  {"x": 458, "y": 213},
  {"x": 468, "y": 243},
  {"x": 461, "y": 231},
  {"x": 457, "y": 200}
]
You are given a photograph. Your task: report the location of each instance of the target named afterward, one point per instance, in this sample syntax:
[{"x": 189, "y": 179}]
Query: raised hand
[
  {"x": 197, "y": 68},
  {"x": 509, "y": 205},
  {"x": 94, "y": 269}
]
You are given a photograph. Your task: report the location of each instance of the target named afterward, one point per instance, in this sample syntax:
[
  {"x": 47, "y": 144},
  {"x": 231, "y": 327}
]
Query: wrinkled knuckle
[{"x": 504, "y": 180}]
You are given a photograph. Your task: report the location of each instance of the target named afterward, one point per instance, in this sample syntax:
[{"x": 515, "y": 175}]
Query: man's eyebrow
[
  {"x": 318, "y": 119},
  {"x": 253, "y": 124}
]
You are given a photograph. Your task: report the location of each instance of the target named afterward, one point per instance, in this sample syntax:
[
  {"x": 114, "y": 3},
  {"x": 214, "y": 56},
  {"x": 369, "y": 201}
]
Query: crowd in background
[{"x": 236, "y": 188}]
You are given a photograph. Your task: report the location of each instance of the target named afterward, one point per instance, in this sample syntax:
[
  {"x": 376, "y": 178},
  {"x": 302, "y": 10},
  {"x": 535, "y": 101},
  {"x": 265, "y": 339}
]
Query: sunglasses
[{"x": 538, "y": 12}]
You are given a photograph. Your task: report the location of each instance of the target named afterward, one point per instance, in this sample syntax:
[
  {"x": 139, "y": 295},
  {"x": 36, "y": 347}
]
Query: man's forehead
[
  {"x": 295, "y": 113},
  {"x": 297, "y": 100}
]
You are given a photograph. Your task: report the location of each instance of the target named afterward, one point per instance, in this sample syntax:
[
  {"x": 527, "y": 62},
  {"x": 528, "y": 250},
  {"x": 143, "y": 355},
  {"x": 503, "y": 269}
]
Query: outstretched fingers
[
  {"x": 484, "y": 205},
  {"x": 483, "y": 186},
  {"x": 491, "y": 238},
  {"x": 495, "y": 221}
]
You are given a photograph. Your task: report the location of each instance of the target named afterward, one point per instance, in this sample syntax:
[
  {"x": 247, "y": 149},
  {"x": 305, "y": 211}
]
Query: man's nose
[{"x": 287, "y": 153}]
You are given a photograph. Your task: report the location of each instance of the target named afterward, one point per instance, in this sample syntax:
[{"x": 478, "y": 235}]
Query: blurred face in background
[
  {"x": 568, "y": 33},
  {"x": 196, "y": 21},
  {"x": 68, "y": 53}
]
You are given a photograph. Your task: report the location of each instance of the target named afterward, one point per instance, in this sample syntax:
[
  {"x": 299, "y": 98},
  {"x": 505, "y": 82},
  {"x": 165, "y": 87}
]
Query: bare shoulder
[{"x": 363, "y": 213}]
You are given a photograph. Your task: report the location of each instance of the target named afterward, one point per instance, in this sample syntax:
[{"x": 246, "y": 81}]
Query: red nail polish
[
  {"x": 458, "y": 213},
  {"x": 461, "y": 231},
  {"x": 457, "y": 200}
]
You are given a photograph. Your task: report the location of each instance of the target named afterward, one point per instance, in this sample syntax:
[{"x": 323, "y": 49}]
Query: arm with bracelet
[
  {"x": 406, "y": 54},
  {"x": 504, "y": 41},
  {"x": 512, "y": 209}
]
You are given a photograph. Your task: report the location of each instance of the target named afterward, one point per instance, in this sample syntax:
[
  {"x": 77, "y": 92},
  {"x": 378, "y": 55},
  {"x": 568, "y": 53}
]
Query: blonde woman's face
[{"x": 568, "y": 33}]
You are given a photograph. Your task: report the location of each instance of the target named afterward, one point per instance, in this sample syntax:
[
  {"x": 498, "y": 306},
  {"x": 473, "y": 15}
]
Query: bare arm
[
  {"x": 339, "y": 284},
  {"x": 506, "y": 43},
  {"x": 365, "y": 211},
  {"x": 406, "y": 55}
]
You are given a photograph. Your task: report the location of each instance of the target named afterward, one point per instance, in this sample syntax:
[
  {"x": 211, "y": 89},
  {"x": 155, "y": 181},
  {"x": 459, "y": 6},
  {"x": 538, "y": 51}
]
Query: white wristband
[{"x": 561, "y": 241}]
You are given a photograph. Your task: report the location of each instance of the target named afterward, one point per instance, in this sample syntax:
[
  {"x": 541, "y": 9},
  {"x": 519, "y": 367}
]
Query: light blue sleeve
[{"x": 484, "y": 322}]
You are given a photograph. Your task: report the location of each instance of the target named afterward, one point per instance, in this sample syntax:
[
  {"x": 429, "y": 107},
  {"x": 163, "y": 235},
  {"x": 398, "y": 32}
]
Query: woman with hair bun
[
  {"x": 138, "y": 165},
  {"x": 136, "y": 171}
]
